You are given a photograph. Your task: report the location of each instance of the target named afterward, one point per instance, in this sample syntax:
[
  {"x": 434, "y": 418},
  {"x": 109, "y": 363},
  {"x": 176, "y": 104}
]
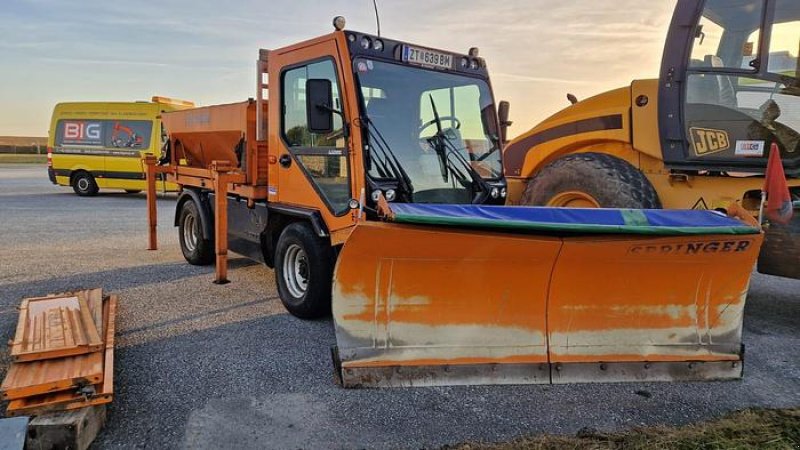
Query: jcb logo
[
  {"x": 82, "y": 131},
  {"x": 707, "y": 141}
]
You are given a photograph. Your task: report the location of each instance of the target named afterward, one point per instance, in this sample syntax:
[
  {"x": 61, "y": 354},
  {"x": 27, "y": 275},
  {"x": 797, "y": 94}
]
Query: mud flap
[
  {"x": 780, "y": 255},
  {"x": 422, "y": 306}
]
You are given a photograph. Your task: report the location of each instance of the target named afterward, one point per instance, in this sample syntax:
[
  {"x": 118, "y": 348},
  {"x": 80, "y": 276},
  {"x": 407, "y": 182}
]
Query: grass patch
[
  {"x": 22, "y": 159},
  {"x": 752, "y": 428}
]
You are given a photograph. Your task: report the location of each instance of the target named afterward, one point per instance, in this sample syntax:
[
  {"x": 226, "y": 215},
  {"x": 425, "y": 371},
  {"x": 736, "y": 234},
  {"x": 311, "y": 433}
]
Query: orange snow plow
[{"x": 488, "y": 295}]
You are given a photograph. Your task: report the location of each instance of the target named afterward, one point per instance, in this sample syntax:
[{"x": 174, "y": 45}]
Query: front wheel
[
  {"x": 304, "y": 272},
  {"x": 591, "y": 180},
  {"x": 196, "y": 250}
]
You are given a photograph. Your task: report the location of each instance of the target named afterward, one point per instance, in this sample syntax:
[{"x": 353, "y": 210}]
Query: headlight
[
  {"x": 464, "y": 62},
  {"x": 376, "y": 195},
  {"x": 366, "y": 43},
  {"x": 474, "y": 64},
  {"x": 504, "y": 192},
  {"x": 351, "y": 37},
  {"x": 378, "y": 45},
  {"x": 391, "y": 195},
  {"x": 495, "y": 193}
]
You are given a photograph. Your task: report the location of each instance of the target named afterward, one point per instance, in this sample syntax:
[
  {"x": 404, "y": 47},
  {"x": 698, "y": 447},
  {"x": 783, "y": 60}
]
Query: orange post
[
  {"x": 152, "y": 210},
  {"x": 219, "y": 171}
]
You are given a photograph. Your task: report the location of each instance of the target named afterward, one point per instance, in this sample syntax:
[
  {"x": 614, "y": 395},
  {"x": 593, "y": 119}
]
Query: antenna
[{"x": 377, "y": 16}]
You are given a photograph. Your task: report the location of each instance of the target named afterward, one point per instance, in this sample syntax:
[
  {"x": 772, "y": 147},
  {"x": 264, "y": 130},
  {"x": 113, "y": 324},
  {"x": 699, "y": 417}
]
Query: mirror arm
[{"x": 346, "y": 127}]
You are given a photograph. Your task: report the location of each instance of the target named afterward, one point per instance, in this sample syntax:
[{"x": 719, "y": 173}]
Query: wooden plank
[
  {"x": 46, "y": 328},
  {"x": 108, "y": 367},
  {"x": 19, "y": 335},
  {"x": 94, "y": 297},
  {"x": 63, "y": 401},
  {"x": 51, "y": 375},
  {"x": 89, "y": 328}
]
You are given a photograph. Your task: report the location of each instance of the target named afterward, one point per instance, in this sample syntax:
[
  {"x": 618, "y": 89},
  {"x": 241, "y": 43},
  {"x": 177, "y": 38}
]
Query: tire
[
  {"x": 592, "y": 178},
  {"x": 196, "y": 250},
  {"x": 304, "y": 272},
  {"x": 133, "y": 191},
  {"x": 84, "y": 184}
]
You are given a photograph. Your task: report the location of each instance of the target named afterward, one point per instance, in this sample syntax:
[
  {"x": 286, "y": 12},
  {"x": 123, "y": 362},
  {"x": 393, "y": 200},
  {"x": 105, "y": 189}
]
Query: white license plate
[{"x": 425, "y": 57}]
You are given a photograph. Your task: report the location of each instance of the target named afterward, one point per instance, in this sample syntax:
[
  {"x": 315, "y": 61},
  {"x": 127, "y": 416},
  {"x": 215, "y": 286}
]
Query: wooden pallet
[
  {"x": 98, "y": 394},
  {"x": 58, "y": 326}
]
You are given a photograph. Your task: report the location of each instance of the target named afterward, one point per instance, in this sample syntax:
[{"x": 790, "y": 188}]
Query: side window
[
  {"x": 323, "y": 157},
  {"x": 784, "y": 46},
  {"x": 295, "y": 125},
  {"x": 728, "y": 35}
]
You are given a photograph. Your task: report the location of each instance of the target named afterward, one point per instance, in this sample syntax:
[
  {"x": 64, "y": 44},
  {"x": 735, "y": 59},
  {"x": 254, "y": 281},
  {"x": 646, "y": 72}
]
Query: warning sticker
[{"x": 752, "y": 149}]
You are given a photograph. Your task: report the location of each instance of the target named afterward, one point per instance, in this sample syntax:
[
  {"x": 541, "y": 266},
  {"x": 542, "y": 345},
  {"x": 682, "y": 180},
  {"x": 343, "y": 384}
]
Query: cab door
[{"x": 312, "y": 170}]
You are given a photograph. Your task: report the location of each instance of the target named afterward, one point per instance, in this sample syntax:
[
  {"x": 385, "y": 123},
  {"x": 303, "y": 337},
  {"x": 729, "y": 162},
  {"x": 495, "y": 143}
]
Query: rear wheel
[
  {"x": 197, "y": 250},
  {"x": 84, "y": 184},
  {"x": 591, "y": 180},
  {"x": 304, "y": 272}
]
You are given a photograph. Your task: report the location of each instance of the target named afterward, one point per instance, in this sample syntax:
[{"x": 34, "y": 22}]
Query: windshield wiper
[
  {"x": 441, "y": 143},
  {"x": 438, "y": 147},
  {"x": 390, "y": 166}
]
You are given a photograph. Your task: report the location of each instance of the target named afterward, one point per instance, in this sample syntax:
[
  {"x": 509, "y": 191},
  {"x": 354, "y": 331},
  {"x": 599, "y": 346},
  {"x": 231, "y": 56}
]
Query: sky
[{"x": 98, "y": 50}]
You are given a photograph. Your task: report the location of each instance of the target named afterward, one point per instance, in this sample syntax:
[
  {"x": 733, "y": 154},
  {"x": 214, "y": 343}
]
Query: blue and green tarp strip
[{"x": 573, "y": 220}]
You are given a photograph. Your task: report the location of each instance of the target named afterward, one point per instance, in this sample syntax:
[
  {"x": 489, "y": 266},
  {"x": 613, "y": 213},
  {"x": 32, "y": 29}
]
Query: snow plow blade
[{"x": 450, "y": 295}]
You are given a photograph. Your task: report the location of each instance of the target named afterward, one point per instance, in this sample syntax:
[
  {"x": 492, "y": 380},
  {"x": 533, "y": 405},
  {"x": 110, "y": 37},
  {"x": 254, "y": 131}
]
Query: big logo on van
[
  {"x": 707, "y": 141},
  {"x": 81, "y": 132}
]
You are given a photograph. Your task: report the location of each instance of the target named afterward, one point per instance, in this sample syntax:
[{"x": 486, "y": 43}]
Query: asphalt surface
[{"x": 206, "y": 366}]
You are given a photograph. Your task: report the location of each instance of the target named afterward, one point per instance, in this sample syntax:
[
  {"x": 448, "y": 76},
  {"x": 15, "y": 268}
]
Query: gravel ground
[{"x": 206, "y": 366}]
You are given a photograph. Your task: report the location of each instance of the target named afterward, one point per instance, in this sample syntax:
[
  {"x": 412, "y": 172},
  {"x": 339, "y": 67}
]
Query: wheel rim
[
  {"x": 190, "y": 235},
  {"x": 295, "y": 270},
  {"x": 83, "y": 184},
  {"x": 573, "y": 199}
]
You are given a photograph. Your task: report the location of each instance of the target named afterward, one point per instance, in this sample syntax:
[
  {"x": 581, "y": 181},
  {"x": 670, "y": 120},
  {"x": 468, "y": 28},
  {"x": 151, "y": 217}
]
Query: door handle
[{"x": 285, "y": 161}]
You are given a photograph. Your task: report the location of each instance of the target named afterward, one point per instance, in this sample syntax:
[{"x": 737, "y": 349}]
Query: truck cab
[{"x": 339, "y": 124}]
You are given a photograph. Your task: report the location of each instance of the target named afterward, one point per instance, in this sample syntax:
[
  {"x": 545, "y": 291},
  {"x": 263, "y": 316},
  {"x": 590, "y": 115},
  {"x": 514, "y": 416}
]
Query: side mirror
[
  {"x": 319, "y": 106},
  {"x": 502, "y": 113}
]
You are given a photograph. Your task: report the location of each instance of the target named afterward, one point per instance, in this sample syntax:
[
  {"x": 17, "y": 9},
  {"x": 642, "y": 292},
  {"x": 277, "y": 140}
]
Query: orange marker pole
[
  {"x": 219, "y": 172},
  {"x": 152, "y": 210}
]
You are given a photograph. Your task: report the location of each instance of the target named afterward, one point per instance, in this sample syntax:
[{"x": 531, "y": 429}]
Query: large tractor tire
[
  {"x": 304, "y": 272},
  {"x": 591, "y": 180},
  {"x": 196, "y": 250}
]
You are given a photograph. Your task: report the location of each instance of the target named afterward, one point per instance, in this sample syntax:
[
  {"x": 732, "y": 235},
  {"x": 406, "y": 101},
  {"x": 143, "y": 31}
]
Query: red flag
[{"x": 779, "y": 201}]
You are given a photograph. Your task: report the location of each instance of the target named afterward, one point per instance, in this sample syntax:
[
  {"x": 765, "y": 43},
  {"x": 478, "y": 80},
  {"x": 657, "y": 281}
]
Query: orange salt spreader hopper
[{"x": 502, "y": 295}]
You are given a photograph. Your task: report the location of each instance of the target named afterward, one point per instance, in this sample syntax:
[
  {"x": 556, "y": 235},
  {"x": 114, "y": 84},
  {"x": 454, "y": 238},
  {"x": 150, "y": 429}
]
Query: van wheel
[
  {"x": 304, "y": 272},
  {"x": 196, "y": 250},
  {"x": 133, "y": 191},
  {"x": 83, "y": 184},
  {"x": 591, "y": 180}
]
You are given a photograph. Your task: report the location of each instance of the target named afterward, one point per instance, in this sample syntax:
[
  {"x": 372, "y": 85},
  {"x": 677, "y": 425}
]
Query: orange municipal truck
[{"x": 367, "y": 172}]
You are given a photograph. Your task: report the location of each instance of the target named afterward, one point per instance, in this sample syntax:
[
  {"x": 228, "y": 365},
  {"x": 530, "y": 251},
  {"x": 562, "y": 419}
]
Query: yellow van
[{"x": 93, "y": 146}]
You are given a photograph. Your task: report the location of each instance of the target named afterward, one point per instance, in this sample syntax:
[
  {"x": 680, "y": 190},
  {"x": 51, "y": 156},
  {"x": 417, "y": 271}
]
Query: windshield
[{"x": 440, "y": 127}]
